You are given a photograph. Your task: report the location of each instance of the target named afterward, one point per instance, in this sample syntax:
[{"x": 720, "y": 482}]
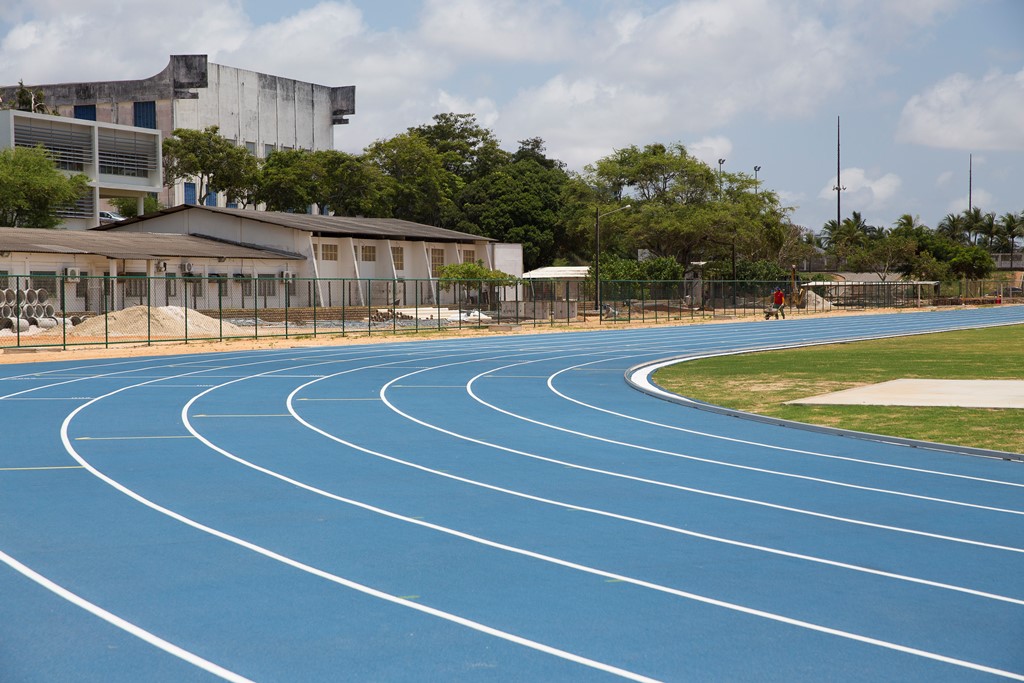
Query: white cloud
[
  {"x": 978, "y": 197},
  {"x": 483, "y": 108},
  {"x": 94, "y": 40},
  {"x": 962, "y": 113},
  {"x": 943, "y": 178},
  {"x": 513, "y": 30},
  {"x": 711, "y": 149},
  {"x": 862, "y": 191},
  {"x": 584, "y": 120}
]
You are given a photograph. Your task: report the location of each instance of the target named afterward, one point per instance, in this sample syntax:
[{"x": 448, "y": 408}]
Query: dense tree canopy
[{"x": 453, "y": 173}]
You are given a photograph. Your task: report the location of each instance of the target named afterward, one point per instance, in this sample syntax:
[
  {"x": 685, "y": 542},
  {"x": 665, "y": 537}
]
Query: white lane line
[
  {"x": 713, "y": 461},
  {"x": 47, "y": 398},
  {"x": 663, "y": 363},
  {"x": 642, "y": 376},
  {"x": 313, "y": 570},
  {"x": 688, "y": 489},
  {"x": 333, "y": 578},
  {"x": 604, "y": 513},
  {"x": 123, "y": 624},
  {"x": 685, "y": 594},
  {"x": 46, "y": 467}
]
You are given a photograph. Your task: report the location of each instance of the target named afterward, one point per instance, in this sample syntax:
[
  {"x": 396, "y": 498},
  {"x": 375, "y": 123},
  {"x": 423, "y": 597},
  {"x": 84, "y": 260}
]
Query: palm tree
[
  {"x": 953, "y": 226},
  {"x": 978, "y": 225},
  {"x": 908, "y": 223},
  {"x": 1012, "y": 226}
]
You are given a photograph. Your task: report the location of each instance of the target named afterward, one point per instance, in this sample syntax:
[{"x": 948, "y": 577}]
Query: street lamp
[
  {"x": 597, "y": 252},
  {"x": 720, "y": 162},
  {"x": 756, "y": 169}
]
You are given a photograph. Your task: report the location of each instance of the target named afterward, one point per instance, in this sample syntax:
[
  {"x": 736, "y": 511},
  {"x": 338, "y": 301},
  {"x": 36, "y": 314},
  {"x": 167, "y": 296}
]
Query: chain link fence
[{"x": 62, "y": 311}]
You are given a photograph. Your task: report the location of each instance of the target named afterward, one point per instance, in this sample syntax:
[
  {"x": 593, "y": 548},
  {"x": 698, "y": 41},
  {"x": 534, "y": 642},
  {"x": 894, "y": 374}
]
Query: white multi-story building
[
  {"x": 260, "y": 111},
  {"x": 120, "y": 161}
]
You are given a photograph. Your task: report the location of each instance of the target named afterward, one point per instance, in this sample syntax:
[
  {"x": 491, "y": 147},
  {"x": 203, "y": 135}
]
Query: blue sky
[{"x": 919, "y": 84}]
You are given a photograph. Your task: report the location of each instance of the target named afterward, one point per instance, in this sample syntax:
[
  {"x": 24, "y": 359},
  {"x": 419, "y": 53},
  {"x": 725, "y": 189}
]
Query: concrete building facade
[{"x": 259, "y": 111}]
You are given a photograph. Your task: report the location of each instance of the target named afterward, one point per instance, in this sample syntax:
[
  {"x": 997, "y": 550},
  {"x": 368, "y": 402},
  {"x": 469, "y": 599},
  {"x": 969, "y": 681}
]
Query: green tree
[
  {"x": 972, "y": 263},
  {"x": 519, "y": 202},
  {"x": 1011, "y": 226},
  {"x": 214, "y": 162},
  {"x": 884, "y": 256},
  {"x": 129, "y": 206},
  {"x": 32, "y": 190},
  {"x": 419, "y": 187},
  {"x": 289, "y": 180},
  {"x": 27, "y": 99},
  {"x": 954, "y": 227},
  {"x": 467, "y": 149},
  {"x": 844, "y": 239},
  {"x": 475, "y": 271}
]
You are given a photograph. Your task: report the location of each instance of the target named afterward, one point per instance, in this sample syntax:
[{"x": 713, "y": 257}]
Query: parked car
[{"x": 110, "y": 217}]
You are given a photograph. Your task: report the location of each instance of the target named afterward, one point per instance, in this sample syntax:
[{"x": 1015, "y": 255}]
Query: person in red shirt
[{"x": 779, "y": 303}]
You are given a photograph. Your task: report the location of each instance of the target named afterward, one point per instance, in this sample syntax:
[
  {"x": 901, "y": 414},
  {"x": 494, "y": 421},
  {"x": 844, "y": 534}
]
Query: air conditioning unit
[
  {"x": 161, "y": 266},
  {"x": 72, "y": 274},
  {"x": 287, "y": 275},
  {"x": 186, "y": 267}
]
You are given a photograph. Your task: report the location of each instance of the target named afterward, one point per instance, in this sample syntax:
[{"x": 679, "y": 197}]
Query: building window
[
  {"x": 330, "y": 252},
  {"x": 232, "y": 204},
  {"x": 43, "y": 279},
  {"x": 398, "y": 256},
  {"x": 193, "y": 285},
  {"x": 368, "y": 252},
  {"x": 211, "y": 199},
  {"x": 266, "y": 285},
  {"x": 190, "y": 193},
  {"x": 222, "y": 283},
  {"x": 145, "y": 114},
  {"x": 246, "y": 283},
  {"x": 268, "y": 150},
  {"x": 171, "y": 285},
  {"x": 469, "y": 255},
  {"x": 3, "y": 279},
  {"x": 250, "y": 147},
  {"x": 136, "y": 285},
  {"x": 436, "y": 261},
  {"x": 82, "y": 286},
  {"x": 85, "y": 112}
]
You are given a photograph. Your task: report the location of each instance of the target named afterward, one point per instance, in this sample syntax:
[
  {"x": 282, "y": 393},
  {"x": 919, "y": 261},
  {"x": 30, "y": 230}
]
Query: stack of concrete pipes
[{"x": 22, "y": 308}]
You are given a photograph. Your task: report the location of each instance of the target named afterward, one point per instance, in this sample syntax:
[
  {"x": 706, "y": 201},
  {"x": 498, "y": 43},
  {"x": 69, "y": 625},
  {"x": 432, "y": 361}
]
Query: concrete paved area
[{"x": 960, "y": 393}]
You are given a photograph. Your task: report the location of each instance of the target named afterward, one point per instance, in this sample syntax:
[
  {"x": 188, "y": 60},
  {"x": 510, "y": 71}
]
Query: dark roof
[
  {"x": 340, "y": 226},
  {"x": 129, "y": 245}
]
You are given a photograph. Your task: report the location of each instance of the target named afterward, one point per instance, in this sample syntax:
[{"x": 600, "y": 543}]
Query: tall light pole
[
  {"x": 756, "y": 169},
  {"x": 839, "y": 186},
  {"x": 597, "y": 252}
]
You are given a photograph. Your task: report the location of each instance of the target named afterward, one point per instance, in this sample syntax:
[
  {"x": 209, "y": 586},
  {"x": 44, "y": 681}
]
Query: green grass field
[{"x": 762, "y": 383}]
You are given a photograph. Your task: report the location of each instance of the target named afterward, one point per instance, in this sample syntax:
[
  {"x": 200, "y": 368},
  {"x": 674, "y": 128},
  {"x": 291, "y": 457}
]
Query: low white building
[
  {"x": 90, "y": 271},
  {"x": 344, "y": 261},
  {"x": 212, "y": 258}
]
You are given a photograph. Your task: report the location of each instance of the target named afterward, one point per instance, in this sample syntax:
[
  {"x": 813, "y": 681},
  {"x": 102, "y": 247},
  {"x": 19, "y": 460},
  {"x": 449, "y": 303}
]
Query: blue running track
[{"x": 502, "y": 508}]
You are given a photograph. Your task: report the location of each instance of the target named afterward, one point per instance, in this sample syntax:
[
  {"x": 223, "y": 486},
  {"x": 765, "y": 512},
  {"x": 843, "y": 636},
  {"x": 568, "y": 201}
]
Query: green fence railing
[{"x": 48, "y": 310}]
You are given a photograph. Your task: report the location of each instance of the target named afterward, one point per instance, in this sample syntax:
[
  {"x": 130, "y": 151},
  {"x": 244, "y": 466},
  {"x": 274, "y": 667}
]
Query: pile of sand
[{"x": 143, "y": 322}]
